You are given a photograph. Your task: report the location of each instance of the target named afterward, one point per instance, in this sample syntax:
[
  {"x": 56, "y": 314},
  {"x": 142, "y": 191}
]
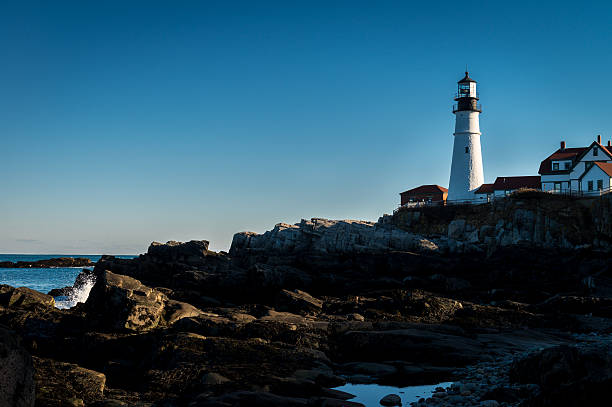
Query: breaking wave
[{"x": 79, "y": 293}]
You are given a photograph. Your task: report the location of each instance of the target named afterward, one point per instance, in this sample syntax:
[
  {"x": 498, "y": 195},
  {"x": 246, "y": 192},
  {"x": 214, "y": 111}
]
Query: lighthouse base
[{"x": 466, "y": 169}]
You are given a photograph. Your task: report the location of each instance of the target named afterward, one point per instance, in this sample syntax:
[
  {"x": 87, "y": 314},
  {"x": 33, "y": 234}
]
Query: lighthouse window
[{"x": 467, "y": 150}]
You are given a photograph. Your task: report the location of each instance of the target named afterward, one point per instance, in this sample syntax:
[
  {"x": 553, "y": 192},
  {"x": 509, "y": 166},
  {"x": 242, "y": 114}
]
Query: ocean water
[
  {"x": 370, "y": 394},
  {"x": 45, "y": 279}
]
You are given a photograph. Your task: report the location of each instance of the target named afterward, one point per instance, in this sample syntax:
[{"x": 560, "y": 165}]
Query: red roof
[
  {"x": 509, "y": 183},
  {"x": 560, "y": 155},
  {"x": 425, "y": 189},
  {"x": 606, "y": 167},
  {"x": 485, "y": 189},
  {"x": 568, "y": 154}
]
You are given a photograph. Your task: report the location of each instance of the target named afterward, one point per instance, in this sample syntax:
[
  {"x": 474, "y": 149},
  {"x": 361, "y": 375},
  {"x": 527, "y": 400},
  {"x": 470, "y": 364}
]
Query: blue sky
[{"x": 127, "y": 122}]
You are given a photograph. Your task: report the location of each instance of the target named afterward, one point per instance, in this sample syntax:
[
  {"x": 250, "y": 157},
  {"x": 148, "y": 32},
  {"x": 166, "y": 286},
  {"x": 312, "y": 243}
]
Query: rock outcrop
[
  {"x": 330, "y": 236},
  {"x": 529, "y": 219}
]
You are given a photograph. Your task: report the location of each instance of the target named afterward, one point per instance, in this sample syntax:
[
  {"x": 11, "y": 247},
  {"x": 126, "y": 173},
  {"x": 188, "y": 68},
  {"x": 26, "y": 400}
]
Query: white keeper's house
[{"x": 585, "y": 170}]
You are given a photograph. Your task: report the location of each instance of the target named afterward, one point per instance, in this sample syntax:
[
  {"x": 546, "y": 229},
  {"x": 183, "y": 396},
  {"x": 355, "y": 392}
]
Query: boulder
[
  {"x": 122, "y": 302},
  {"x": 391, "y": 400},
  {"x": 176, "y": 310},
  {"x": 58, "y": 383},
  {"x": 16, "y": 372},
  {"x": 456, "y": 229},
  {"x": 214, "y": 379},
  {"x": 191, "y": 252},
  {"x": 24, "y": 297},
  {"x": 299, "y": 302},
  {"x": 567, "y": 375}
]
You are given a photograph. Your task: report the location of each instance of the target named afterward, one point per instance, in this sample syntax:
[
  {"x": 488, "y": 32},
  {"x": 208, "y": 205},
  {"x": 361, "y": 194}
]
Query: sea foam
[{"x": 78, "y": 294}]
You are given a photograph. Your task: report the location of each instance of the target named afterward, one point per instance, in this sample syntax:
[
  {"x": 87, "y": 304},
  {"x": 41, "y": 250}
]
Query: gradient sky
[{"x": 127, "y": 122}]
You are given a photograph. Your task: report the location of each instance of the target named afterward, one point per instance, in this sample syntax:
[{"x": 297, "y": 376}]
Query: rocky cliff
[{"x": 529, "y": 219}]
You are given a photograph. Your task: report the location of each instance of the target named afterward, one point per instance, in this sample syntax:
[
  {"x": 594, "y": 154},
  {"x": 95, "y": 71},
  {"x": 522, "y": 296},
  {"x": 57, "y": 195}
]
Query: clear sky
[{"x": 126, "y": 122}]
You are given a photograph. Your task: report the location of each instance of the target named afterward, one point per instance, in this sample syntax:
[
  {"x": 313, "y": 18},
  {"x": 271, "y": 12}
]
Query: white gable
[
  {"x": 594, "y": 180},
  {"x": 596, "y": 153}
]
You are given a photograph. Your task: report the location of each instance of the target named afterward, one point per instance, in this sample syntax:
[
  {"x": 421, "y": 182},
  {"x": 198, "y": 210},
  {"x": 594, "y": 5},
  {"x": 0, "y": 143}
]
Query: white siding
[
  {"x": 593, "y": 175},
  {"x": 466, "y": 168},
  {"x": 549, "y": 181}
]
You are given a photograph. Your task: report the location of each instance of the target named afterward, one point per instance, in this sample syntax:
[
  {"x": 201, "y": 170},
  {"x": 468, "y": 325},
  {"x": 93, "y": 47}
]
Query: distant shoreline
[{"x": 50, "y": 263}]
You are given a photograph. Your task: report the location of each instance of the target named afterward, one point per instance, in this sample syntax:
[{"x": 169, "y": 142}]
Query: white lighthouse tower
[{"x": 466, "y": 168}]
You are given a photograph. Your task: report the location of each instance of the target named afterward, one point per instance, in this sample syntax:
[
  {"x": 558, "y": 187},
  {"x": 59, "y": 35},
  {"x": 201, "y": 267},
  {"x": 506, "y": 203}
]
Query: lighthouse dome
[{"x": 466, "y": 78}]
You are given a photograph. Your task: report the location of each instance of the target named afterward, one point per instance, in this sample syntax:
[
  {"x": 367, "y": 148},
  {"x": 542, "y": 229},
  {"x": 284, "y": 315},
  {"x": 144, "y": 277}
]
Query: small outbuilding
[
  {"x": 504, "y": 186},
  {"x": 425, "y": 194},
  {"x": 484, "y": 192}
]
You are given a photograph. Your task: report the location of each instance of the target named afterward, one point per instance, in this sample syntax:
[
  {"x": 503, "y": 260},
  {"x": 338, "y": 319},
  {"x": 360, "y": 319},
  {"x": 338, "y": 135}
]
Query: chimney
[
  {"x": 599, "y": 138},
  {"x": 562, "y": 145}
]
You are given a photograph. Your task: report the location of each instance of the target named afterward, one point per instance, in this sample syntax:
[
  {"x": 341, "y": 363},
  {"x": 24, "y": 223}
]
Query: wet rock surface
[{"x": 283, "y": 319}]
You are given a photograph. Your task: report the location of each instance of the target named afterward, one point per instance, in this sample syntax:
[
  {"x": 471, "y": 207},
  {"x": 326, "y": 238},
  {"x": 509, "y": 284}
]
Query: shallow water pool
[{"x": 370, "y": 394}]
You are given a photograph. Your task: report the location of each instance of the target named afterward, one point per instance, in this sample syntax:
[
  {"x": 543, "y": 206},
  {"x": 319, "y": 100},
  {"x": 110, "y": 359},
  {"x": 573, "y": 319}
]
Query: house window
[
  {"x": 599, "y": 184},
  {"x": 595, "y": 151},
  {"x": 566, "y": 165},
  {"x": 557, "y": 186},
  {"x": 555, "y": 166},
  {"x": 467, "y": 150},
  {"x": 590, "y": 186}
]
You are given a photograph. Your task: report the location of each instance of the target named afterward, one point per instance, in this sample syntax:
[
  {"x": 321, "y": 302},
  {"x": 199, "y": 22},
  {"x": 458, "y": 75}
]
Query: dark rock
[
  {"x": 251, "y": 399},
  {"x": 567, "y": 376},
  {"x": 49, "y": 263},
  {"x": 58, "y": 383},
  {"x": 298, "y": 301},
  {"x": 432, "y": 345},
  {"x": 503, "y": 395},
  {"x": 24, "y": 297},
  {"x": 122, "y": 302},
  {"x": 177, "y": 310},
  {"x": 189, "y": 252},
  {"x": 214, "y": 379},
  {"x": 391, "y": 400},
  {"x": 16, "y": 372}
]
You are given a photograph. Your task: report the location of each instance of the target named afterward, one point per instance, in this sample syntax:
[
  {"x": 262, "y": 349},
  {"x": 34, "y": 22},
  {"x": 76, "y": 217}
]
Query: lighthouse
[{"x": 466, "y": 168}]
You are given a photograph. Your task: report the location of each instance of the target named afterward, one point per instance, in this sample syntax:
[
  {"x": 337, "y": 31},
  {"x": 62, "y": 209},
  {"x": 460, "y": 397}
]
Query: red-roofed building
[
  {"x": 506, "y": 185},
  {"x": 566, "y": 168},
  {"x": 424, "y": 194},
  {"x": 484, "y": 192}
]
